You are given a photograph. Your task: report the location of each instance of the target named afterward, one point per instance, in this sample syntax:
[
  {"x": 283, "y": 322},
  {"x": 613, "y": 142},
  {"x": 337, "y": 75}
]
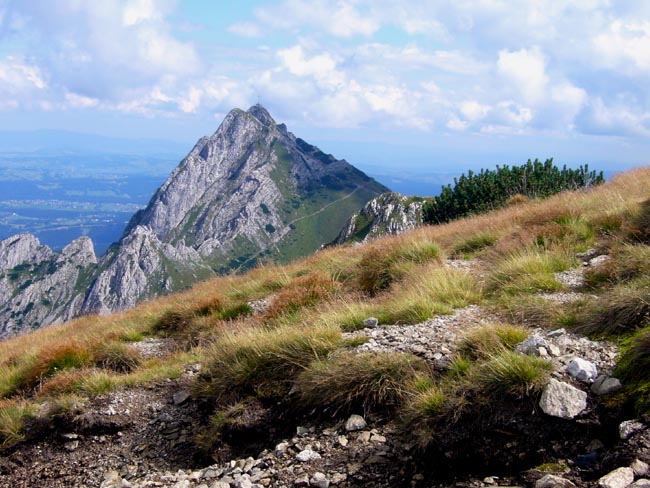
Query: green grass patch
[
  {"x": 490, "y": 340},
  {"x": 262, "y": 362},
  {"x": 527, "y": 271},
  {"x": 350, "y": 382}
]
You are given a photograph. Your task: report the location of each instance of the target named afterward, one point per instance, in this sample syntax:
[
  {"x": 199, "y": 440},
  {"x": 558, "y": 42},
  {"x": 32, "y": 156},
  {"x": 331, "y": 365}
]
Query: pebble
[
  {"x": 319, "y": 480},
  {"x": 627, "y": 428},
  {"x": 355, "y": 422},
  {"x": 307, "y": 455}
]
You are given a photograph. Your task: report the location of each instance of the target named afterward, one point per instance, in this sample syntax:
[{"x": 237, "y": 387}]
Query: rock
[
  {"x": 582, "y": 370},
  {"x": 378, "y": 438},
  {"x": 371, "y": 322},
  {"x": 343, "y": 440},
  {"x": 640, "y": 468},
  {"x": 627, "y": 428},
  {"x": 302, "y": 431},
  {"x": 553, "y": 481},
  {"x": 281, "y": 448},
  {"x": 220, "y": 484},
  {"x": 243, "y": 483},
  {"x": 182, "y": 484},
  {"x": 181, "y": 397},
  {"x": 307, "y": 455},
  {"x": 112, "y": 479},
  {"x": 355, "y": 422},
  {"x": 302, "y": 480},
  {"x": 71, "y": 446},
  {"x": 619, "y": 478},
  {"x": 364, "y": 437},
  {"x": 641, "y": 483},
  {"x": 533, "y": 345},
  {"x": 338, "y": 478},
  {"x": 319, "y": 480},
  {"x": 556, "y": 333},
  {"x": 606, "y": 385},
  {"x": 562, "y": 400}
]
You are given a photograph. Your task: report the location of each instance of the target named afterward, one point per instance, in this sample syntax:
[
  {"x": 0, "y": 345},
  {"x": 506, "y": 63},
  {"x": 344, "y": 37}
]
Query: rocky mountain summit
[
  {"x": 251, "y": 191},
  {"x": 388, "y": 214}
]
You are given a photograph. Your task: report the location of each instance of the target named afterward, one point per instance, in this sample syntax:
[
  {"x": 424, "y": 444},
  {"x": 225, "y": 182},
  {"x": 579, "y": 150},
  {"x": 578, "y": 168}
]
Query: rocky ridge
[
  {"x": 250, "y": 191},
  {"x": 40, "y": 287},
  {"x": 389, "y": 213}
]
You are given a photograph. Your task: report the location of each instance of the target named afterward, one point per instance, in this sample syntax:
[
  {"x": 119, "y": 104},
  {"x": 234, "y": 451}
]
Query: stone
[
  {"x": 556, "y": 333},
  {"x": 371, "y": 322},
  {"x": 281, "y": 448},
  {"x": 182, "y": 484},
  {"x": 640, "y": 468},
  {"x": 112, "y": 479},
  {"x": 619, "y": 478},
  {"x": 302, "y": 431},
  {"x": 531, "y": 346},
  {"x": 243, "y": 483},
  {"x": 338, "y": 478},
  {"x": 627, "y": 428},
  {"x": 343, "y": 440},
  {"x": 355, "y": 422},
  {"x": 71, "y": 446},
  {"x": 220, "y": 484},
  {"x": 553, "y": 481},
  {"x": 181, "y": 397},
  {"x": 302, "y": 480},
  {"x": 378, "y": 438},
  {"x": 319, "y": 480},
  {"x": 364, "y": 437},
  {"x": 553, "y": 350},
  {"x": 606, "y": 385},
  {"x": 562, "y": 400},
  {"x": 582, "y": 370},
  {"x": 641, "y": 483},
  {"x": 307, "y": 455}
]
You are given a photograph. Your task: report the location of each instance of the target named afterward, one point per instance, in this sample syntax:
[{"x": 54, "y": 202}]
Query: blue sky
[{"x": 412, "y": 86}]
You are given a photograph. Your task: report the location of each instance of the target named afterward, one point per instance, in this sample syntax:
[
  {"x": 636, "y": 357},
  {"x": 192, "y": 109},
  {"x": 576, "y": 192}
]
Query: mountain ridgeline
[{"x": 252, "y": 191}]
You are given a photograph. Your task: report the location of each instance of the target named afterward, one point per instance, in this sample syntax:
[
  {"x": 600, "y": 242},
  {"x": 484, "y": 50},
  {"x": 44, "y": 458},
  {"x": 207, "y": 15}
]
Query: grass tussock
[
  {"x": 634, "y": 370},
  {"x": 490, "y": 340},
  {"x": 388, "y": 262},
  {"x": 13, "y": 416},
  {"x": 303, "y": 292},
  {"x": 262, "y": 362},
  {"x": 527, "y": 271},
  {"x": 511, "y": 373},
  {"x": 467, "y": 247},
  {"x": 619, "y": 311},
  {"x": 358, "y": 381},
  {"x": 626, "y": 262}
]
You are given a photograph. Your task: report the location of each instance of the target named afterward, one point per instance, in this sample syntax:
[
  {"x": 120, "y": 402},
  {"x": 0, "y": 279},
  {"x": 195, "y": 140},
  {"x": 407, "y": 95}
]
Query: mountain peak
[{"x": 261, "y": 114}]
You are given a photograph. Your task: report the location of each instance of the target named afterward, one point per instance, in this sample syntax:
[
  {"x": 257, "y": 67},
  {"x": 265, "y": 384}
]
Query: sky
[{"x": 409, "y": 87}]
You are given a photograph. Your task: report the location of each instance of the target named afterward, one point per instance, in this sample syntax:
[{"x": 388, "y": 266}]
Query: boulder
[
  {"x": 619, "y": 478},
  {"x": 562, "y": 400},
  {"x": 640, "y": 468},
  {"x": 553, "y": 481}
]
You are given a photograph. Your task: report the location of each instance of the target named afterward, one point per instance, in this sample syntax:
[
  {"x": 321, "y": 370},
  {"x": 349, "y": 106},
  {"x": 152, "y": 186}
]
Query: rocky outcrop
[
  {"x": 39, "y": 287},
  {"x": 389, "y": 213}
]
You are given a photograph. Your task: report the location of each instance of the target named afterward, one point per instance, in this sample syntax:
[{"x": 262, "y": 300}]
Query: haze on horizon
[{"x": 413, "y": 87}]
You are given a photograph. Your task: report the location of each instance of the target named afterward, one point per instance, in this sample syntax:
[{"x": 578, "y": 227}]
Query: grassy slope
[{"x": 399, "y": 279}]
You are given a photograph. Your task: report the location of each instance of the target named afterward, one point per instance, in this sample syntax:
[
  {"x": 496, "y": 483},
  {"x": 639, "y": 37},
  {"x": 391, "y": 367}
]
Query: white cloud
[
  {"x": 624, "y": 45},
  {"x": 473, "y": 110},
  {"x": 137, "y": 11},
  {"x": 17, "y": 76},
  {"x": 525, "y": 71},
  {"x": 321, "y": 67}
]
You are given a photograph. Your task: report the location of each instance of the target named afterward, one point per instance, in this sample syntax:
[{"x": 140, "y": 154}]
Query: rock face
[
  {"x": 389, "y": 213},
  {"x": 250, "y": 191},
  {"x": 39, "y": 287}
]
